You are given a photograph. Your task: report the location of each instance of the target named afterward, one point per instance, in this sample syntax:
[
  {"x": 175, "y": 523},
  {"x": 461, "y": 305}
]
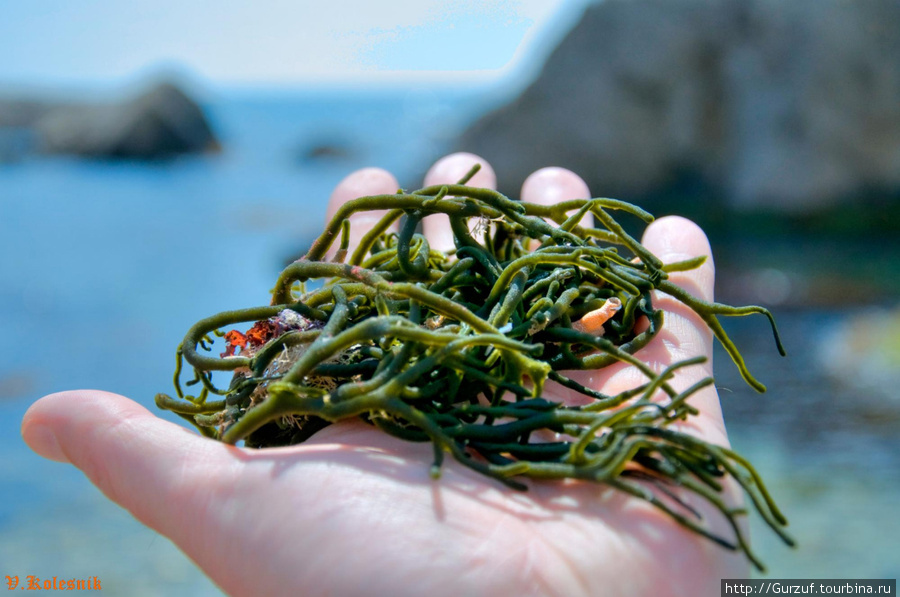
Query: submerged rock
[
  {"x": 792, "y": 107},
  {"x": 327, "y": 151}
]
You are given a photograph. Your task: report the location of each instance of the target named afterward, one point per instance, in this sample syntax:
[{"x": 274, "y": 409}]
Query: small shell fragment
[{"x": 592, "y": 321}]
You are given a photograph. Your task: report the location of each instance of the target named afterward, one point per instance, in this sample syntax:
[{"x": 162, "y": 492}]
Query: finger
[
  {"x": 368, "y": 181},
  {"x": 449, "y": 170},
  {"x": 549, "y": 186},
  {"x": 685, "y": 334},
  {"x": 139, "y": 461},
  {"x": 674, "y": 239}
]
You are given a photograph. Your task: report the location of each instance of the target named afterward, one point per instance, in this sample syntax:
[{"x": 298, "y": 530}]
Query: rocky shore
[{"x": 715, "y": 108}]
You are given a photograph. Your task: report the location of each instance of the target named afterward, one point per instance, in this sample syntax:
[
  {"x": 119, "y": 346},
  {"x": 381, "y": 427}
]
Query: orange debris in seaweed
[
  {"x": 261, "y": 332},
  {"x": 593, "y": 321},
  {"x": 234, "y": 339}
]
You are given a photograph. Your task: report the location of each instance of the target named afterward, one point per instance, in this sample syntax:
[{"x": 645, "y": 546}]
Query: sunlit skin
[{"x": 354, "y": 512}]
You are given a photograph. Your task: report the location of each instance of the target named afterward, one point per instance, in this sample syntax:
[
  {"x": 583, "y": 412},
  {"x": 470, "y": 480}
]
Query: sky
[{"x": 276, "y": 43}]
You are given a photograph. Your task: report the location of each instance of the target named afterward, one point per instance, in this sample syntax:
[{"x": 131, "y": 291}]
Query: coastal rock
[
  {"x": 792, "y": 107},
  {"x": 160, "y": 123},
  {"x": 21, "y": 113}
]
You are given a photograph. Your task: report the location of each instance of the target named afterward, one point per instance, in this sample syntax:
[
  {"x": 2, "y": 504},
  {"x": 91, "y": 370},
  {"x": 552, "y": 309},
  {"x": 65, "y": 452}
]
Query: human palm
[{"x": 353, "y": 511}]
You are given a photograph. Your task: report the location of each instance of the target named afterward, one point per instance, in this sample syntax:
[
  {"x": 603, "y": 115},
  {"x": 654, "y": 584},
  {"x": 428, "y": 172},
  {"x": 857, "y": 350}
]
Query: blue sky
[{"x": 276, "y": 43}]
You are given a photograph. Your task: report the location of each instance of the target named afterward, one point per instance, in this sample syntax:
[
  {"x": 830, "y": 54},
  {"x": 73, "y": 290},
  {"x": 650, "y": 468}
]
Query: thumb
[{"x": 141, "y": 462}]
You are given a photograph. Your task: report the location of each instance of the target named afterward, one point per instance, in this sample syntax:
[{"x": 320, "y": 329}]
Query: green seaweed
[{"x": 456, "y": 348}]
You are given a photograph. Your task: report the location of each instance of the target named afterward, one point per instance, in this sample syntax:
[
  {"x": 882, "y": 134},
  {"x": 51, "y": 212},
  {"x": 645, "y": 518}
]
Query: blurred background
[{"x": 161, "y": 161}]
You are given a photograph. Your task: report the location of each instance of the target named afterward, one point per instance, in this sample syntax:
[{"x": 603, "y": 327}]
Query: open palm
[{"x": 354, "y": 512}]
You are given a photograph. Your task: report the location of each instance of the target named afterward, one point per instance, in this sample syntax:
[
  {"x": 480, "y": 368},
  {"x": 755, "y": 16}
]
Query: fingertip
[
  {"x": 40, "y": 437},
  {"x": 49, "y": 422},
  {"x": 673, "y": 239},
  {"x": 89, "y": 428},
  {"x": 367, "y": 181},
  {"x": 552, "y": 185},
  {"x": 450, "y": 169},
  {"x": 55, "y": 415},
  {"x": 361, "y": 183}
]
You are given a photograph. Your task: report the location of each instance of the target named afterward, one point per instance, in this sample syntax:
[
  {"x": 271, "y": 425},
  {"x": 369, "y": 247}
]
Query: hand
[{"x": 354, "y": 512}]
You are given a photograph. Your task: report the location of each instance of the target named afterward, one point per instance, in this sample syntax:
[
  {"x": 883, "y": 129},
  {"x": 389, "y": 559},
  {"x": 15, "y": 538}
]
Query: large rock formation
[
  {"x": 780, "y": 105},
  {"x": 160, "y": 123}
]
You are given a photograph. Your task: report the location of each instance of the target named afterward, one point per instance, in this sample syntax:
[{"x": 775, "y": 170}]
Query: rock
[
  {"x": 160, "y": 123},
  {"x": 22, "y": 113},
  {"x": 792, "y": 107}
]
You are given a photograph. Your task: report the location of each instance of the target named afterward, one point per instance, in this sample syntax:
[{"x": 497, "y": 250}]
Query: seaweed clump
[{"x": 456, "y": 348}]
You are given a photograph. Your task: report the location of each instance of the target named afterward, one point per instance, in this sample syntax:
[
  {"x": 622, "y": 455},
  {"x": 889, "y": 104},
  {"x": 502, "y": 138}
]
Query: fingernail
[{"x": 42, "y": 440}]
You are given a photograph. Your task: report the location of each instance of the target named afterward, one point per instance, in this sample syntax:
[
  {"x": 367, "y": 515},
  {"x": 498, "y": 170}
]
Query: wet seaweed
[{"x": 457, "y": 349}]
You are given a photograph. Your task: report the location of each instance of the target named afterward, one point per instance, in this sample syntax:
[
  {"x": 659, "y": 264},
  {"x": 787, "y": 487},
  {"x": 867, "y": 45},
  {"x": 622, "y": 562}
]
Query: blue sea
[{"x": 106, "y": 264}]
